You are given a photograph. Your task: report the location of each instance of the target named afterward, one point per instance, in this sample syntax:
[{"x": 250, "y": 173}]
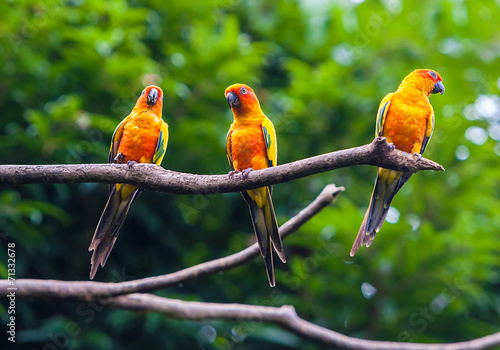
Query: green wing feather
[
  {"x": 115, "y": 140},
  {"x": 229, "y": 154},
  {"x": 428, "y": 133},
  {"x": 382, "y": 113},
  {"x": 161, "y": 146},
  {"x": 270, "y": 139}
]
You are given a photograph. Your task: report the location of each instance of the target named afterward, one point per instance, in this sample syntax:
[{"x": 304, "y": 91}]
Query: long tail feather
[
  {"x": 266, "y": 232},
  {"x": 361, "y": 238},
  {"x": 388, "y": 183},
  {"x": 272, "y": 227},
  {"x": 109, "y": 227}
]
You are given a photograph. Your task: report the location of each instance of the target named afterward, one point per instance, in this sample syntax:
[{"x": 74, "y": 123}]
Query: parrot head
[
  {"x": 426, "y": 80},
  {"x": 241, "y": 99},
  {"x": 151, "y": 98}
]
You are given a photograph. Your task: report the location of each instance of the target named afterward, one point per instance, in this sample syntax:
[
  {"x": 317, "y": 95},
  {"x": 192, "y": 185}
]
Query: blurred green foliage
[{"x": 71, "y": 70}]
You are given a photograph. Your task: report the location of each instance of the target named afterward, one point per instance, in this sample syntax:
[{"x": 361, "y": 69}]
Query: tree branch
[
  {"x": 112, "y": 294},
  {"x": 155, "y": 178},
  {"x": 284, "y": 316},
  {"x": 88, "y": 290}
]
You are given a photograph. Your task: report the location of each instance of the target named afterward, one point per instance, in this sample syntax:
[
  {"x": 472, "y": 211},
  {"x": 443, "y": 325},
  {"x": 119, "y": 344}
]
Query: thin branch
[
  {"x": 155, "y": 178},
  {"x": 284, "y": 316},
  {"x": 88, "y": 290}
]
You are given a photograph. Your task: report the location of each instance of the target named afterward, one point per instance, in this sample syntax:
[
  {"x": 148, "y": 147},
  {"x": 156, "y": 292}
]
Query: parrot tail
[
  {"x": 266, "y": 231},
  {"x": 388, "y": 183},
  {"x": 110, "y": 224}
]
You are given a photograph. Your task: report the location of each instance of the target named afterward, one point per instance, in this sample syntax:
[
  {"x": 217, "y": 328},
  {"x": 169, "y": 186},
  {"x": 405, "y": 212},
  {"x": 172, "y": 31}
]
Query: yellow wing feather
[
  {"x": 229, "y": 154},
  {"x": 270, "y": 138},
  {"x": 428, "y": 131},
  {"x": 161, "y": 146},
  {"x": 115, "y": 140},
  {"x": 382, "y": 113}
]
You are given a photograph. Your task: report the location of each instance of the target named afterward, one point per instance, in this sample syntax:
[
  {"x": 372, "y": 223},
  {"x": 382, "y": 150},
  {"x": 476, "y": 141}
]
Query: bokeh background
[{"x": 71, "y": 70}]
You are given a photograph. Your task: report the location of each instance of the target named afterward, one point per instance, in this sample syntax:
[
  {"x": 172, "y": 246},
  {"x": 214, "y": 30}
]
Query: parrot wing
[
  {"x": 115, "y": 144},
  {"x": 161, "y": 146},
  {"x": 428, "y": 132},
  {"x": 389, "y": 182},
  {"x": 387, "y": 185},
  {"x": 382, "y": 113},
  {"x": 115, "y": 140},
  {"x": 270, "y": 139},
  {"x": 229, "y": 154}
]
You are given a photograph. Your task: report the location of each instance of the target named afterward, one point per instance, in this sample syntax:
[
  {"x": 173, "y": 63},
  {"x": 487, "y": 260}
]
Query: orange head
[
  {"x": 425, "y": 80},
  {"x": 151, "y": 98},
  {"x": 242, "y": 100}
]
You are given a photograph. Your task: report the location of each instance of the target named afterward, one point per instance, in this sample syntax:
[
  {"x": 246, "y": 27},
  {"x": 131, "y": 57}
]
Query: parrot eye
[
  {"x": 433, "y": 74},
  {"x": 162, "y": 97},
  {"x": 243, "y": 90},
  {"x": 143, "y": 92}
]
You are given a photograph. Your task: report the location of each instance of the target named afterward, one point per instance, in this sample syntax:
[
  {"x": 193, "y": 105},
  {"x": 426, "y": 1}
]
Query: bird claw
[
  {"x": 120, "y": 157},
  {"x": 245, "y": 172},
  {"x": 417, "y": 155},
  {"x": 232, "y": 173},
  {"x": 392, "y": 146},
  {"x": 130, "y": 163}
]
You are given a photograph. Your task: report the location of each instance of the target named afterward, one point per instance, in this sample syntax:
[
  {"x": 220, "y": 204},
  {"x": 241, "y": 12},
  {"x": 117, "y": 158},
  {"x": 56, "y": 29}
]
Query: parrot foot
[
  {"x": 232, "y": 173},
  {"x": 417, "y": 155},
  {"x": 392, "y": 147},
  {"x": 120, "y": 157},
  {"x": 130, "y": 163},
  {"x": 245, "y": 172}
]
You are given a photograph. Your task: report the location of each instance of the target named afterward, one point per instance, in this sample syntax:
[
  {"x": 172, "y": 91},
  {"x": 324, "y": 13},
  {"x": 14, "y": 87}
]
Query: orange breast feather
[
  {"x": 140, "y": 137},
  {"x": 406, "y": 123},
  {"x": 248, "y": 148}
]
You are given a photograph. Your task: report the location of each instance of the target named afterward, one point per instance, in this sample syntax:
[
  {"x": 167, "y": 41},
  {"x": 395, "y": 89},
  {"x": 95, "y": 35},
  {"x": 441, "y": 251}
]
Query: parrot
[
  {"x": 140, "y": 138},
  {"x": 251, "y": 145},
  {"x": 406, "y": 119}
]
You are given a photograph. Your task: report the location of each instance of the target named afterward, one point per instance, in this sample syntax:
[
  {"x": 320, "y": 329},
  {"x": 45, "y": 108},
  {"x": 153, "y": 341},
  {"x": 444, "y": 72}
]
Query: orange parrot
[
  {"x": 140, "y": 138},
  {"x": 406, "y": 119},
  {"x": 251, "y": 145}
]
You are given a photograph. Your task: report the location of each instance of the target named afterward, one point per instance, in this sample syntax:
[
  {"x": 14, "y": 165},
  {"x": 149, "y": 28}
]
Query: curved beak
[
  {"x": 232, "y": 100},
  {"x": 152, "y": 97},
  {"x": 438, "y": 87}
]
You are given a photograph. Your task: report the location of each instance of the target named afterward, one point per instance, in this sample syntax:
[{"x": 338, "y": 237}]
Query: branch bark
[
  {"x": 284, "y": 316},
  {"x": 89, "y": 290},
  {"x": 155, "y": 178},
  {"x": 124, "y": 294},
  {"x": 118, "y": 295}
]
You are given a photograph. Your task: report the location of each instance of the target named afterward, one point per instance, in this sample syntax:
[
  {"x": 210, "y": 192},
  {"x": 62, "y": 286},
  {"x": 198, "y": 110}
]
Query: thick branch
[
  {"x": 91, "y": 290},
  {"x": 153, "y": 177},
  {"x": 284, "y": 316}
]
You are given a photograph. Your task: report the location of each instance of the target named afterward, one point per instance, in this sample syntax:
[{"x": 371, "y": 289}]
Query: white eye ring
[
  {"x": 243, "y": 90},
  {"x": 433, "y": 74},
  {"x": 143, "y": 91}
]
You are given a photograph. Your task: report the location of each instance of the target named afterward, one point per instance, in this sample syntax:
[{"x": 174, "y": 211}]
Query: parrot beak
[
  {"x": 232, "y": 100},
  {"x": 152, "y": 97},
  {"x": 438, "y": 87}
]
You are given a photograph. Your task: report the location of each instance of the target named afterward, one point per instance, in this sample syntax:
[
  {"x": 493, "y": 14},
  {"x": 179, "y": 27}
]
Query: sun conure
[
  {"x": 406, "y": 119},
  {"x": 140, "y": 138},
  {"x": 251, "y": 145}
]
